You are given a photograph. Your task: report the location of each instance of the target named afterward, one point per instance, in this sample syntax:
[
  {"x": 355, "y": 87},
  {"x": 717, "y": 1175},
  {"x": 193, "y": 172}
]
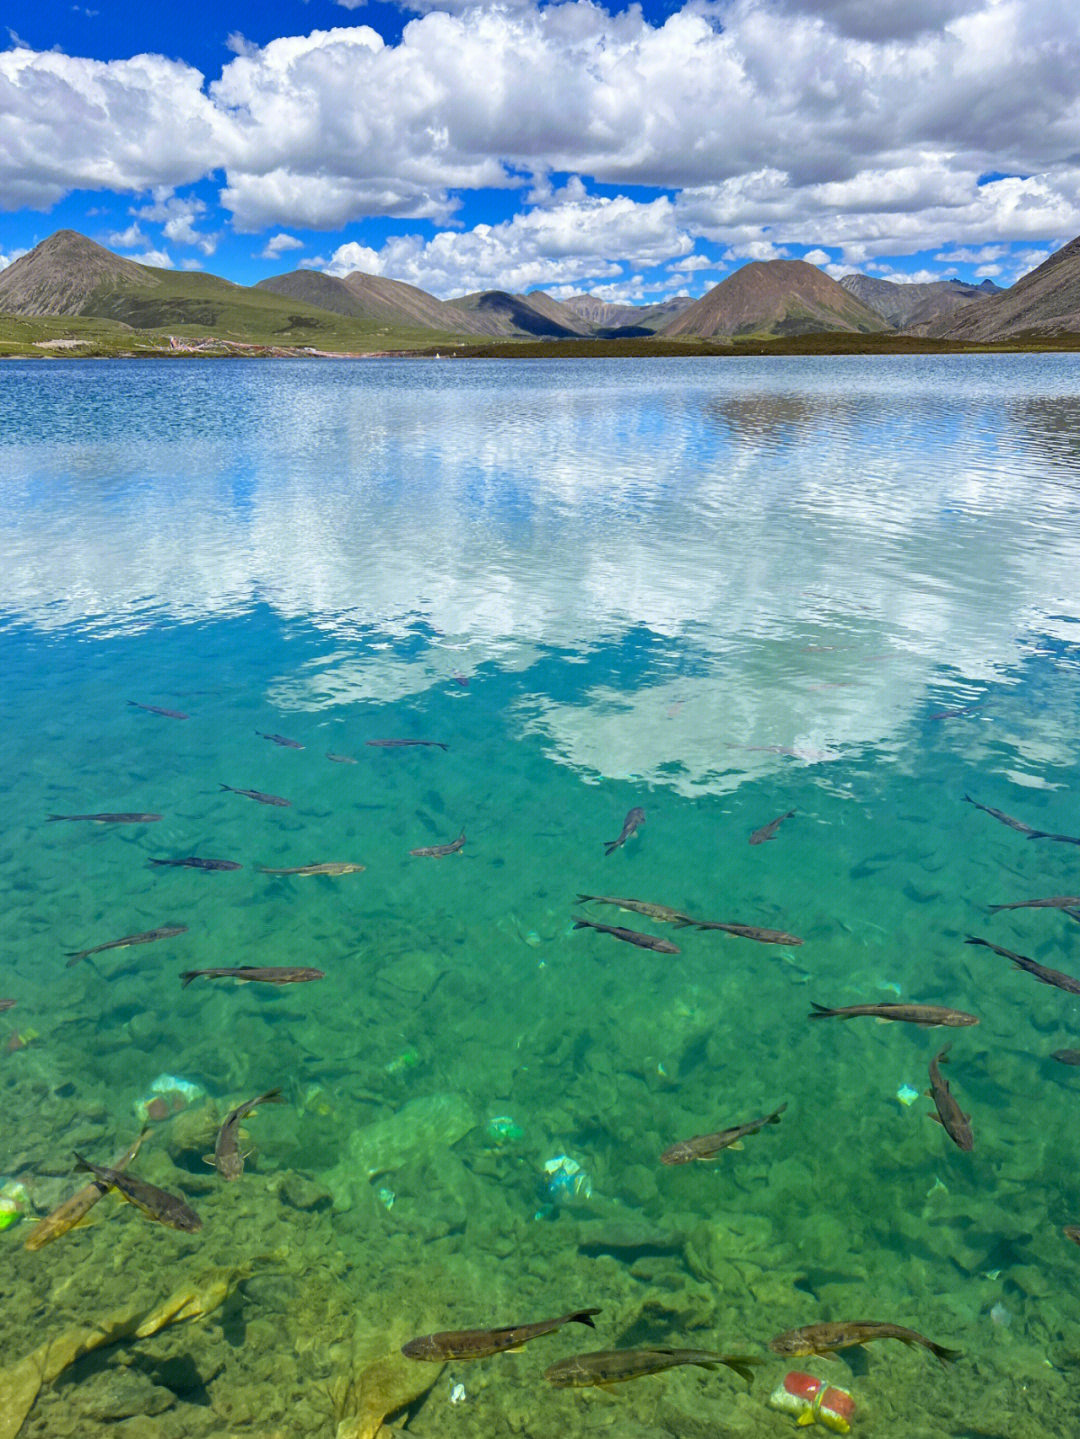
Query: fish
[
  {"x": 479, "y": 1343},
  {"x": 707, "y": 1146},
  {"x": 407, "y": 743},
  {"x": 226, "y": 1158},
  {"x": 956, "y": 1124},
  {"x": 768, "y": 830},
  {"x": 633, "y": 820},
  {"x": 822, "y": 1339},
  {"x": 1058, "y": 901},
  {"x": 280, "y": 739},
  {"x": 1004, "y": 818},
  {"x": 1066, "y": 1056},
  {"x": 749, "y": 931},
  {"x": 147, "y": 937},
  {"x": 155, "y": 1203},
  {"x": 107, "y": 818},
  {"x": 193, "y": 862},
  {"x": 331, "y": 867},
  {"x": 267, "y": 974},
  {"x": 157, "y": 710},
  {"x": 72, "y": 1212},
  {"x": 1060, "y": 838},
  {"x": 436, "y": 851},
  {"x": 612, "y": 1366},
  {"x": 1072, "y": 1231},
  {"x": 7, "y": 1004},
  {"x": 925, "y": 1014},
  {"x": 660, "y": 912},
  {"x": 257, "y": 794},
  {"x": 1038, "y": 971},
  {"x": 630, "y": 936},
  {"x": 340, "y": 758}
]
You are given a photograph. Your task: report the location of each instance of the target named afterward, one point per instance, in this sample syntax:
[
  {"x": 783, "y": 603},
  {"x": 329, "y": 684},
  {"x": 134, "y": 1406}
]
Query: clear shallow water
[{"x": 716, "y": 590}]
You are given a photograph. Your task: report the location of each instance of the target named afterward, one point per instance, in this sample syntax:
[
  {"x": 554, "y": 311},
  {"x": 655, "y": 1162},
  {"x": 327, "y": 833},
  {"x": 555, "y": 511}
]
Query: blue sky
[{"x": 632, "y": 151}]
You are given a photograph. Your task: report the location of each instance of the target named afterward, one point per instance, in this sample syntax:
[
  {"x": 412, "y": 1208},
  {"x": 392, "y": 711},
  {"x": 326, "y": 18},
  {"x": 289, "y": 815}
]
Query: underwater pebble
[{"x": 300, "y": 1192}]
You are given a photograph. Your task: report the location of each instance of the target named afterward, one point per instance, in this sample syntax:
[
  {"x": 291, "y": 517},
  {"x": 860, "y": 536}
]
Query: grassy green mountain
[{"x": 378, "y": 301}]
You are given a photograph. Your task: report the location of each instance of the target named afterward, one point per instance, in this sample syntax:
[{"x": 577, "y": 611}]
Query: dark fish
[
  {"x": 193, "y": 862},
  {"x": 340, "y": 758},
  {"x": 258, "y": 795},
  {"x": 631, "y": 936},
  {"x": 1037, "y": 971},
  {"x": 635, "y": 818},
  {"x": 226, "y": 1158},
  {"x": 612, "y": 1366},
  {"x": 1058, "y": 901},
  {"x": 1072, "y": 1231},
  {"x": 155, "y": 1203},
  {"x": 407, "y": 743},
  {"x": 147, "y": 937},
  {"x": 268, "y": 974},
  {"x": 1060, "y": 838},
  {"x": 706, "y": 1146},
  {"x": 824, "y": 1338},
  {"x": 8, "y": 1004},
  {"x": 107, "y": 818},
  {"x": 65, "y": 1216},
  {"x": 331, "y": 867},
  {"x": 660, "y": 912},
  {"x": 280, "y": 739},
  {"x": 768, "y": 830},
  {"x": 1066, "y": 1056},
  {"x": 436, "y": 851},
  {"x": 956, "y": 1124},
  {"x": 479, "y": 1343},
  {"x": 157, "y": 710},
  {"x": 749, "y": 931},
  {"x": 926, "y": 1014},
  {"x": 1004, "y": 818}
]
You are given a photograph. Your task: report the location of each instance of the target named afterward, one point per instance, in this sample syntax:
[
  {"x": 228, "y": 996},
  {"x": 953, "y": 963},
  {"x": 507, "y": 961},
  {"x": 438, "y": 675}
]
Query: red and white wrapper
[{"x": 812, "y": 1401}]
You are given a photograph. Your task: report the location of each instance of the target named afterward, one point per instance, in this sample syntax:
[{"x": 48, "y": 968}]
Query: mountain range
[{"x": 69, "y": 275}]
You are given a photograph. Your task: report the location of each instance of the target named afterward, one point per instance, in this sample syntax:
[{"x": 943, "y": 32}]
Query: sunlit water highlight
[{"x": 717, "y": 590}]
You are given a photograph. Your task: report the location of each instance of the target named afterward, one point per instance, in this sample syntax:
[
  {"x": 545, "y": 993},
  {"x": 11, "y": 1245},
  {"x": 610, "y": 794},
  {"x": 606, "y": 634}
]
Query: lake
[{"x": 834, "y": 600}]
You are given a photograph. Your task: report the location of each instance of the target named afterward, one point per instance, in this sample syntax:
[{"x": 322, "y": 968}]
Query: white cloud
[
  {"x": 177, "y": 218},
  {"x": 159, "y": 259},
  {"x": 126, "y": 239},
  {"x": 278, "y": 244},
  {"x": 10, "y": 258},
  {"x": 817, "y": 257}
]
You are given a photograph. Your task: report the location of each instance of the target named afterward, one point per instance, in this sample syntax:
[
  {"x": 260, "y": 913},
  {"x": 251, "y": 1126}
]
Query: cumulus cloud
[
  {"x": 277, "y": 245},
  {"x": 177, "y": 218}
]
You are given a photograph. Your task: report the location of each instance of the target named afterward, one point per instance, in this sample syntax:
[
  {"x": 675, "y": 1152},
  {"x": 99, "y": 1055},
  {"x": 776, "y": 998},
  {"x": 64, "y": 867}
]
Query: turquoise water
[{"x": 715, "y": 590}]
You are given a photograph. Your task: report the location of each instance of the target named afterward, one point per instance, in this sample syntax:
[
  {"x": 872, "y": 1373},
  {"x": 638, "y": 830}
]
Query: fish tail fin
[
  {"x": 972, "y": 940},
  {"x": 582, "y": 924},
  {"x": 49, "y": 818},
  {"x": 820, "y": 1011},
  {"x": 743, "y": 1365},
  {"x": 582, "y": 1316},
  {"x": 272, "y": 1096},
  {"x": 441, "y": 745},
  {"x": 610, "y": 845},
  {"x": 74, "y": 955},
  {"x": 774, "y": 1117},
  {"x": 1038, "y": 834},
  {"x": 993, "y": 908},
  {"x": 81, "y": 1164},
  {"x": 187, "y": 976},
  {"x": 942, "y": 1057},
  {"x": 943, "y": 1355}
]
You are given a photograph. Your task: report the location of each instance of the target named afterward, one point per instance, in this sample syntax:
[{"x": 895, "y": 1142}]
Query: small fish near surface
[
  {"x": 226, "y": 1158},
  {"x": 280, "y": 739},
  {"x": 437, "y": 851},
  {"x": 768, "y": 830},
  {"x": 1072, "y": 1231},
  {"x": 341, "y": 758},
  {"x": 252, "y": 974},
  {"x": 135, "y": 818},
  {"x": 1057, "y": 901},
  {"x": 479, "y": 1343},
  {"x": 157, "y": 710},
  {"x": 329, "y": 867},
  {"x": 707, "y": 1146},
  {"x": 956, "y": 1124},
  {"x": 748, "y": 931},
  {"x": 1037, "y": 971},
  {"x": 660, "y": 912},
  {"x": 7, "y": 1004},
  {"x": 823, "y": 1339},
  {"x": 929, "y": 1015},
  {"x": 192, "y": 861},
  {"x": 1066, "y": 1056},
  {"x": 157, "y": 1204},
  {"x": 630, "y": 936},
  {"x": 257, "y": 794},
  {"x": 407, "y": 744},
  {"x": 147, "y": 937},
  {"x": 614, "y": 1366},
  {"x": 74, "y": 1210},
  {"x": 1004, "y": 818},
  {"x": 633, "y": 821}
]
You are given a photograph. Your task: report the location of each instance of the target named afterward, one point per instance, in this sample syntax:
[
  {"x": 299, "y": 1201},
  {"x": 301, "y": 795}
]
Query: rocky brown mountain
[
  {"x": 915, "y": 304},
  {"x": 776, "y": 297},
  {"x": 1046, "y": 301},
  {"x": 64, "y": 273}
]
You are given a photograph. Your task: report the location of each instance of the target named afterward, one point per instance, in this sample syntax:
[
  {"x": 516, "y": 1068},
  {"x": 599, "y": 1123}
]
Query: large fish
[
  {"x": 1057, "y": 901},
  {"x": 1066, "y": 1056},
  {"x": 748, "y": 931},
  {"x": 257, "y": 794},
  {"x": 135, "y": 818},
  {"x": 155, "y": 1203},
  {"x": 1060, "y": 838},
  {"x": 437, "y": 851},
  {"x": 192, "y": 861},
  {"x": 707, "y": 1146},
  {"x": 407, "y": 744},
  {"x": 660, "y": 912},
  {"x": 280, "y": 739},
  {"x": 226, "y": 1158},
  {"x": 1037, "y": 971},
  {"x": 330, "y": 867},
  {"x": 823, "y": 1339},
  {"x": 147, "y": 937},
  {"x": 340, "y": 758},
  {"x": 1004, "y": 818},
  {"x": 479, "y": 1343},
  {"x": 634, "y": 819},
  {"x": 266, "y": 974},
  {"x": 157, "y": 710},
  {"x": 925, "y": 1014},
  {"x": 630, "y": 936},
  {"x": 613, "y": 1366},
  {"x": 768, "y": 830},
  {"x": 956, "y": 1124},
  {"x": 67, "y": 1215}
]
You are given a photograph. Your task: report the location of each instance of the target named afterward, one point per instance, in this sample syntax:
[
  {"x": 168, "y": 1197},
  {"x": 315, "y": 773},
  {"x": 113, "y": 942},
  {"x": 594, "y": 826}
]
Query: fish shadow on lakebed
[{"x": 178, "y": 1375}]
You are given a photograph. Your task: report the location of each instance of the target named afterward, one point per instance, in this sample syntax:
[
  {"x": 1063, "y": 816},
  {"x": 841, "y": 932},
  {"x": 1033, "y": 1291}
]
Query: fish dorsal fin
[{"x": 209, "y": 1159}]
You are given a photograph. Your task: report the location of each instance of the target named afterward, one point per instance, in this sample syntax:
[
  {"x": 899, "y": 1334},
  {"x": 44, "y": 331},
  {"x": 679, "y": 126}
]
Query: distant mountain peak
[{"x": 59, "y": 276}]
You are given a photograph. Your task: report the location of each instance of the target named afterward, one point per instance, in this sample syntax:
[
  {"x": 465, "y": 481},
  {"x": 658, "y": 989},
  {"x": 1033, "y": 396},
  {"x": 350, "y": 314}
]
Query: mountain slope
[
  {"x": 1046, "y": 301},
  {"x": 59, "y": 276},
  {"x": 607, "y": 316},
  {"x": 915, "y": 304},
  {"x": 775, "y": 297},
  {"x": 536, "y": 314}
]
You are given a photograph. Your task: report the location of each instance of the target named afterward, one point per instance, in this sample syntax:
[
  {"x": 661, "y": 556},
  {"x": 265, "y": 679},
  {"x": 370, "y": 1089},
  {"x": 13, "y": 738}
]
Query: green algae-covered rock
[{"x": 419, "y": 1129}]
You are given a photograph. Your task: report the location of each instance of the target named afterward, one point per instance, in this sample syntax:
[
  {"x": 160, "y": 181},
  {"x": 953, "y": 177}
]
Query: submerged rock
[{"x": 417, "y": 1130}]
